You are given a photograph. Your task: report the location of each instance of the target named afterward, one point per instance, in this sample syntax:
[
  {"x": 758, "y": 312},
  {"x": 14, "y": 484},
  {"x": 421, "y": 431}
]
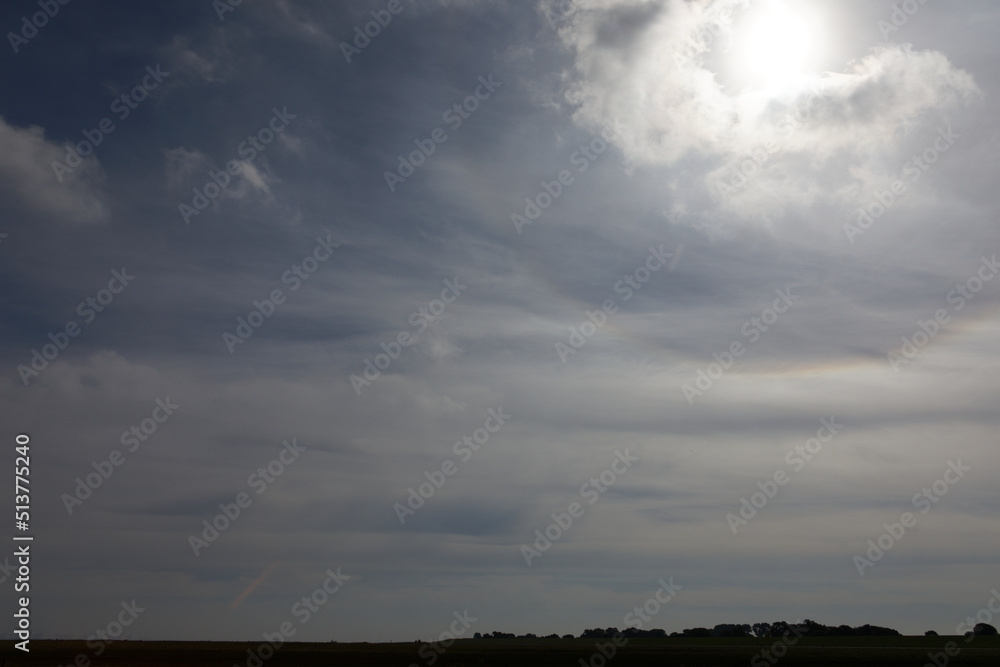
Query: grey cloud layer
[{"x": 608, "y": 63}]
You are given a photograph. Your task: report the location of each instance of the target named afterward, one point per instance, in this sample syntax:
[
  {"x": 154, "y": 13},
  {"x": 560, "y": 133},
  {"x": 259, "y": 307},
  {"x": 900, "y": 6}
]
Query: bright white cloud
[{"x": 643, "y": 67}]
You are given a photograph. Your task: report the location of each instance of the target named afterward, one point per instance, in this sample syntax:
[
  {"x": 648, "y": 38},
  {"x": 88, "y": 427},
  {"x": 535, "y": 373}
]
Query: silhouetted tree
[
  {"x": 875, "y": 631},
  {"x": 697, "y": 632},
  {"x": 930, "y": 633},
  {"x": 984, "y": 629},
  {"x": 777, "y": 629},
  {"x": 730, "y": 630},
  {"x": 598, "y": 633},
  {"x": 633, "y": 632}
]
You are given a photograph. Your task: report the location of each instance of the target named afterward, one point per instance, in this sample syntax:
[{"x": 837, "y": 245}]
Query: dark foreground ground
[{"x": 836, "y": 651}]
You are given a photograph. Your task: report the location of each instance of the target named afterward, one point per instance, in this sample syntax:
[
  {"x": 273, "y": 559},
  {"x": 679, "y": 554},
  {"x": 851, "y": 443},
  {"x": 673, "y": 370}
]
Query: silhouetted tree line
[
  {"x": 777, "y": 629},
  {"x": 983, "y": 629},
  {"x": 813, "y": 629}
]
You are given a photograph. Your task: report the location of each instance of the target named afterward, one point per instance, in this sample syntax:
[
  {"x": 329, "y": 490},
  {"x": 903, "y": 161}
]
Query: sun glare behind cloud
[{"x": 774, "y": 44}]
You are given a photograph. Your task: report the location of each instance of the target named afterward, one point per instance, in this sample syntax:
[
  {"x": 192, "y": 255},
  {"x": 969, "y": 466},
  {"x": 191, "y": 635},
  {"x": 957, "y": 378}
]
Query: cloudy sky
[{"x": 702, "y": 290}]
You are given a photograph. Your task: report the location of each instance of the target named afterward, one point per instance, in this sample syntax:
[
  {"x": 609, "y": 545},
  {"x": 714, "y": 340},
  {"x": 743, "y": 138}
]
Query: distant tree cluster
[
  {"x": 511, "y": 635},
  {"x": 984, "y": 629},
  {"x": 814, "y": 629},
  {"x": 777, "y": 629},
  {"x": 609, "y": 633}
]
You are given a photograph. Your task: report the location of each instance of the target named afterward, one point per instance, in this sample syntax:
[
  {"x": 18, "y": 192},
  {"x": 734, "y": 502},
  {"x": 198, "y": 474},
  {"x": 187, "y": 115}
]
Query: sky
[{"x": 348, "y": 319}]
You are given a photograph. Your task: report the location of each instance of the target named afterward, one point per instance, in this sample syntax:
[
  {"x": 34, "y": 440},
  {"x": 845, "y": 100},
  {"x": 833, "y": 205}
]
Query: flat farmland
[{"x": 686, "y": 652}]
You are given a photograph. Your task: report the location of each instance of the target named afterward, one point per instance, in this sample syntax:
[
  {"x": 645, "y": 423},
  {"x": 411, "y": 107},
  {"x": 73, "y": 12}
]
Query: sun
[{"x": 776, "y": 43}]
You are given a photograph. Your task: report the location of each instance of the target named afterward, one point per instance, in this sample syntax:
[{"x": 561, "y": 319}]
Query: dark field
[{"x": 839, "y": 651}]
